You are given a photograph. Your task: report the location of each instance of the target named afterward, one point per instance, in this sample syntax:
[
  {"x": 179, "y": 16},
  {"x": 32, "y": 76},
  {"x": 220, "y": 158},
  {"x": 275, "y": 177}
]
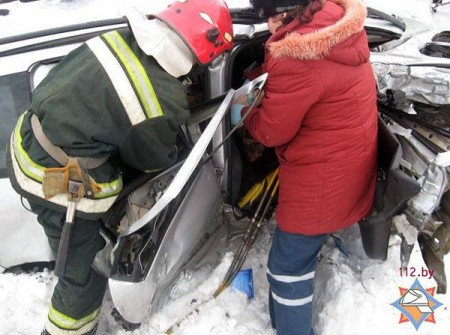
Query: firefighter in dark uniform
[{"x": 118, "y": 98}]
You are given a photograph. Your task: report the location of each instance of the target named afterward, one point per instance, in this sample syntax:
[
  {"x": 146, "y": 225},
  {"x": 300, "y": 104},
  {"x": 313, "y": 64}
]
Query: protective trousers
[
  {"x": 78, "y": 295},
  {"x": 290, "y": 272}
]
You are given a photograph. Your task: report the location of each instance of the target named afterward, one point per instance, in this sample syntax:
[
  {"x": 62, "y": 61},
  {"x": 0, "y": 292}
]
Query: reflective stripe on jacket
[
  {"x": 29, "y": 175},
  {"x": 36, "y": 171},
  {"x": 105, "y": 98}
]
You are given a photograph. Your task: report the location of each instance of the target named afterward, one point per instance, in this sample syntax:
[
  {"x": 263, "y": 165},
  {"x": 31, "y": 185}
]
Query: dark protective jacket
[
  {"x": 319, "y": 112},
  {"x": 105, "y": 98}
]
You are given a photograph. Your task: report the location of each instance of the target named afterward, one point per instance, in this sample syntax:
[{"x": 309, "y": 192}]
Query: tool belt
[{"x": 73, "y": 178}]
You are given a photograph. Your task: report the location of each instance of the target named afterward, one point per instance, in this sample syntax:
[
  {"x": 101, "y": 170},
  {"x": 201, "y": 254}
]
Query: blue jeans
[{"x": 290, "y": 272}]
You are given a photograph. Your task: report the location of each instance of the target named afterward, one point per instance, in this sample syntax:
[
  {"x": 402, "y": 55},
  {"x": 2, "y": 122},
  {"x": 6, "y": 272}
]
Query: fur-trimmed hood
[{"x": 325, "y": 35}]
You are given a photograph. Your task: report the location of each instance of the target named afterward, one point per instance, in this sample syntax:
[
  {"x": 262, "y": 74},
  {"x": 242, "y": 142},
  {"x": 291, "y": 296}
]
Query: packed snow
[{"x": 353, "y": 294}]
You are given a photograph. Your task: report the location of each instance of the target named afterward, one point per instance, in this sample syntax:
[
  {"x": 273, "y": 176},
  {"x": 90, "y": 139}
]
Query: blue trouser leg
[
  {"x": 290, "y": 272},
  {"x": 271, "y": 311}
]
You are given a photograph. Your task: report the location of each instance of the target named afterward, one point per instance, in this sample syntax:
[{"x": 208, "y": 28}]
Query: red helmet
[{"x": 204, "y": 25}]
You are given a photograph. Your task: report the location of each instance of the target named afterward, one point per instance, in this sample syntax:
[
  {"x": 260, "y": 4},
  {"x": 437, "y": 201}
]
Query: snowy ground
[{"x": 353, "y": 295}]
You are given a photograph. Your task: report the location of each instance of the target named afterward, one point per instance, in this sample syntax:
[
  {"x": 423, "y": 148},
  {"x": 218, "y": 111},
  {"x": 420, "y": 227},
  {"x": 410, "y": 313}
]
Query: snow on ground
[{"x": 353, "y": 295}]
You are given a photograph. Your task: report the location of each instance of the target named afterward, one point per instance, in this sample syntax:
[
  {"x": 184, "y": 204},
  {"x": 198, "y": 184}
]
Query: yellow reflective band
[
  {"x": 109, "y": 189},
  {"x": 36, "y": 171},
  {"x": 30, "y": 168},
  {"x": 137, "y": 73},
  {"x": 66, "y": 322},
  {"x": 122, "y": 85},
  {"x": 85, "y": 205}
]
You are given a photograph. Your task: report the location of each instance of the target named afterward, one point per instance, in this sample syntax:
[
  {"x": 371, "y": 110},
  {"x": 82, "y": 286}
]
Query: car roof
[
  {"x": 18, "y": 17},
  {"x": 70, "y": 23}
]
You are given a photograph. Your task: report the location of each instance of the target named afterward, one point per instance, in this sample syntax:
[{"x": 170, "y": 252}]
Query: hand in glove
[
  {"x": 248, "y": 98},
  {"x": 235, "y": 113}
]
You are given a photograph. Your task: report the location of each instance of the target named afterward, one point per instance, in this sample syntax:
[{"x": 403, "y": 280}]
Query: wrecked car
[
  {"x": 164, "y": 222},
  {"x": 413, "y": 82}
]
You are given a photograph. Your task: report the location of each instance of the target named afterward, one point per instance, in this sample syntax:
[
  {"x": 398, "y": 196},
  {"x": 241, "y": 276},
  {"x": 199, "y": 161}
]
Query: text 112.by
[{"x": 411, "y": 271}]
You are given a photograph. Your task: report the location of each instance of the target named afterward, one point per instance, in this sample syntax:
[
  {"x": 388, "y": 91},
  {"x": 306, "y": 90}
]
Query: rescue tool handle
[{"x": 63, "y": 248}]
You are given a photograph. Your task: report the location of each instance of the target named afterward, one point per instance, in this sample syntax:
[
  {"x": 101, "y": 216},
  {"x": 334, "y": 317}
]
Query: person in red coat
[{"x": 319, "y": 112}]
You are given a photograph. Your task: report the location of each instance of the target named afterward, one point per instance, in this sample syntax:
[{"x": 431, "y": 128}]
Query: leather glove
[{"x": 235, "y": 113}]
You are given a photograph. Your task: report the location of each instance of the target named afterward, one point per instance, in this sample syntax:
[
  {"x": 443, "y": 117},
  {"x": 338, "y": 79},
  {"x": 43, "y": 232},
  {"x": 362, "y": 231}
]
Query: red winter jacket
[{"x": 319, "y": 112}]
